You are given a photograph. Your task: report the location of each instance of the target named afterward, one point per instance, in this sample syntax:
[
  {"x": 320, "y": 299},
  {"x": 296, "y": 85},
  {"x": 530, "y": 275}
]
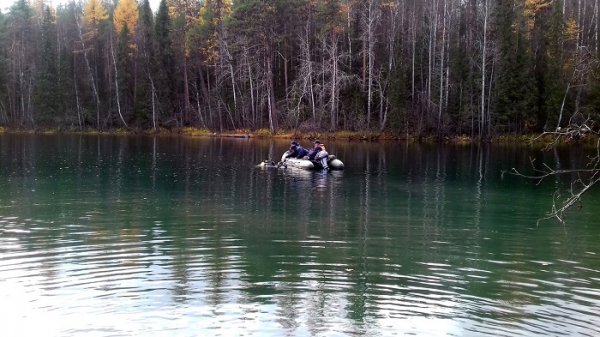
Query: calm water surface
[{"x": 124, "y": 236}]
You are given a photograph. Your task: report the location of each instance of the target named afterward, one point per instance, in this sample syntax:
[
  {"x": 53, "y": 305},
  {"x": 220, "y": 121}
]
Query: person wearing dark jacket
[
  {"x": 300, "y": 151},
  {"x": 295, "y": 151}
]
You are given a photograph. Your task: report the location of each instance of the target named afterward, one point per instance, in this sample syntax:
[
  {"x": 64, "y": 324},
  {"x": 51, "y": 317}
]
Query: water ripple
[{"x": 185, "y": 238}]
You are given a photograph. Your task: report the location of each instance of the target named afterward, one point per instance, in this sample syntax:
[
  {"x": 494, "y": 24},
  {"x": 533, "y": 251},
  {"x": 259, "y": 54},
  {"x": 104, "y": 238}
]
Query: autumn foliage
[{"x": 431, "y": 67}]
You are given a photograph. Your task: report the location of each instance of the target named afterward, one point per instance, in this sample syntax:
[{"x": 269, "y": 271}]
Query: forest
[{"x": 424, "y": 67}]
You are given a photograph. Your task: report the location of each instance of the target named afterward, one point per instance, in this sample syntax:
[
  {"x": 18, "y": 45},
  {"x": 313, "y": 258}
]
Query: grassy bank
[{"x": 365, "y": 136}]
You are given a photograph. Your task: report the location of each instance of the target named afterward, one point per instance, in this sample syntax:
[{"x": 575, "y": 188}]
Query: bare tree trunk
[
  {"x": 78, "y": 105},
  {"x": 334, "y": 79},
  {"x": 312, "y": 97},
  {"x": 413, "y": 54},
  {"x": 186, "y": 91},
  {"x": 200, "y": 117},
  {"x": 448, "y": 40},
  {"x": 370, "y": 41},
  {"x": 383, "y": 108},
  {"x": 29, "y": 103},
  {"x": 442, "y": 59},
  {"x": 431, "y": 52},
  {"x": 285, "y": 75},
  {"x": 348, "y": 26},
  {"x": 580, "y": 30},
  {"x": 252, "y": 104},
  {"x": 22, "y": 96},
  {"x": 90, "y": 73},
  {"x": 596, "y": 26},
  {"x": 489, "y": 98},
  {"x": 483, "y": 65},
  {"x": 227, "y": 54},
  {"x": 232, "y": 75},
  {"x": 271, "y": 92},
  {"x": 3, "y": 114},
  {"x": 383, "y": 104},
  {"x": 153, "y": 103},
  {"x": 206, "y": 93},
  {"x": 112, "y": 52},
  {"x": 308, "y": 59},
  {"x": 323, "y": 85}
]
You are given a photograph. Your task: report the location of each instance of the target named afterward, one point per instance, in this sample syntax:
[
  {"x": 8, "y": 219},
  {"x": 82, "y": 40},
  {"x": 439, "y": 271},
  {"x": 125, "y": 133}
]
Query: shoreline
[{"x": 344, "y": 135}]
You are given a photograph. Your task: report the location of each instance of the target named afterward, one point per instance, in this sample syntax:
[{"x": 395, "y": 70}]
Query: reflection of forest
[{"x": 406, "y": 230}]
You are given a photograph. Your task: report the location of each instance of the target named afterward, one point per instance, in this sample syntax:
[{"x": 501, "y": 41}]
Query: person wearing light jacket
[{"x": 319, "y": 154}]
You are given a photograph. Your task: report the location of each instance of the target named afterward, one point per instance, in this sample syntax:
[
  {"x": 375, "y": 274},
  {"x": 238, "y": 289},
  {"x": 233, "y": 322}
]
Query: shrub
[
  {"x": 263, "y": 133},
  {"x": 189, "y": 131}
]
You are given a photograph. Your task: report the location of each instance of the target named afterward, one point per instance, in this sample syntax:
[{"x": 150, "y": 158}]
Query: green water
[{"x": 142, "y": 236}]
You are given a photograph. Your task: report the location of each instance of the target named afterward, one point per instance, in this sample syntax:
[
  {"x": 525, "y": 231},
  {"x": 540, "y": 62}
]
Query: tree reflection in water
[{"x": 409, "y": 238}]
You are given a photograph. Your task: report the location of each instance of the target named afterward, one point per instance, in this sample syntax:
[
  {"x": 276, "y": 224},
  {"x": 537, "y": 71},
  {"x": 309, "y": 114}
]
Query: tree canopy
[{"x": 440, "y": 67}]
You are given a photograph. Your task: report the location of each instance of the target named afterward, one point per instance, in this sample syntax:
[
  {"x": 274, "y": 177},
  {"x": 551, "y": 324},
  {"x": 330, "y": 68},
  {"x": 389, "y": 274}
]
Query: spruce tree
[
  {"x": 145, "y": 58},
  {"x": 165, "y": 61},
  {"x": 514, "y": 90},
  {"x": 3, "y": 69},
  {"x": 47, "y": 97},
  {"x": 126, "y": 74}
]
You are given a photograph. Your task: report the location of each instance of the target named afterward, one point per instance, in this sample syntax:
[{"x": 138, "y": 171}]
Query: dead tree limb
[{"x": 579, "y": 127}]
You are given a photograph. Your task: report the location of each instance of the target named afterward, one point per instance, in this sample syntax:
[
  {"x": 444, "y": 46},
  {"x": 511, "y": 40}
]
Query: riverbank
[{"x": 363, "y": 136}]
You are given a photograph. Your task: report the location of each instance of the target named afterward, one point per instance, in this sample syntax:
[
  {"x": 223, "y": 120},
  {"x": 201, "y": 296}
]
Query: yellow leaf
[
  {"x": 571, "y": 29},
  {"x": 93, "y": 12},
  {"x": 126, "y": 14}
]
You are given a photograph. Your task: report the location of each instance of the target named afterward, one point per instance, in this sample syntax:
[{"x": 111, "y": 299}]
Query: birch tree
[
  {"x": 484, "y": 45},
  {"x": 370, "y": 21}
]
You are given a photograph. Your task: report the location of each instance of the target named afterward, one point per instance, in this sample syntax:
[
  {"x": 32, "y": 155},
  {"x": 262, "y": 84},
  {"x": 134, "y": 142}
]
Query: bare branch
[
  {"x": 579, "y": 127},
  {"x": 559, "y": 211}
]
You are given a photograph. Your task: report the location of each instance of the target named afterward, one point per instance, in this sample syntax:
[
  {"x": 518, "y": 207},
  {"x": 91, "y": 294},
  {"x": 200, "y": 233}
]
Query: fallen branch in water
[{"x": 586, "y": 177}]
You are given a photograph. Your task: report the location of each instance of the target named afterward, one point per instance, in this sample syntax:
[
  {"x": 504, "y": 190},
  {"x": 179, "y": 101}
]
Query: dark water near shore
[{"x": 119, "y": 236}]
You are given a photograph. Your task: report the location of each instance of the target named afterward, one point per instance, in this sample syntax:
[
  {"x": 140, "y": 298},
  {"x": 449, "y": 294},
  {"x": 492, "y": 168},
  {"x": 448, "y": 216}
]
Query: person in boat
[
  {"x": 319, "y": 154},
  {"x": 295, "y": 151}
]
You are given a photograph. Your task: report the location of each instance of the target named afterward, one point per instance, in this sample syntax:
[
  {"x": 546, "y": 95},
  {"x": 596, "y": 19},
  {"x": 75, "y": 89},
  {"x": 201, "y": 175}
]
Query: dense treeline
[{"x": 441, "y": 67}]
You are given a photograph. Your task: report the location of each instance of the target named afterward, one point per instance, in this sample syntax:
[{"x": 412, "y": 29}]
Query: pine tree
[
  {"x": 165, "y": 62},
  {"x": 91, "y": 45},
  {"x": 542, "y": 35},
  {"x": 3, "y": 69},
  {"x": 145, "y": 57},
  {"x": 256, "y": 19},
  {"x": 126, "y": 78},
  {"x": 561, "y": 54},
  {"x": 514, "y": 93},
  {"x": 47, "y": 96}
]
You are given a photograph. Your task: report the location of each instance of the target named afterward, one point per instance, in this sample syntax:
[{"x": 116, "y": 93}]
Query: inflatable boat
[{"x": 307, "y": 164}]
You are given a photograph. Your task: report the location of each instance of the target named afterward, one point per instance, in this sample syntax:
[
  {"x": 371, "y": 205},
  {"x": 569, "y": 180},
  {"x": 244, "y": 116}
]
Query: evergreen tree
[
  {"x": 593, "y": 104},
  {"x": 145, "y": 58},
  {"x": 47, "y": 96},
  {"x": 3, "y": 70},
  {"x": 125, "y": 66},
  {"x": 165, "y": 61},
  {"x": 91, "y": 44},
  {"x": 560, "y": 63},
  {"x": 410, "y": 65},
  {"x": 514, "y": 92},
  {"x": 545, "y": 22},
  {"x": 21, "y": 72},
  {"x": 399, "y": 95}
]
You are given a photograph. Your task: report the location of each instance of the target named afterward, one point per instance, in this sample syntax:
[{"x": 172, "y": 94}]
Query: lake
[{"x": 168, "y": 236}]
